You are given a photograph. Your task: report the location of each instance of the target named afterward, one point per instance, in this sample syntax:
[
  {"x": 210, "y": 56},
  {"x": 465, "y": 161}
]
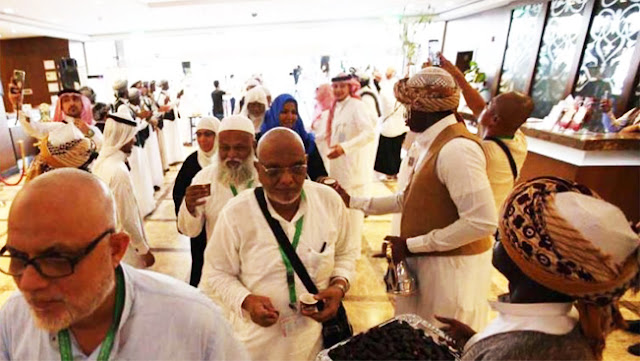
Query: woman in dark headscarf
[{"x": 284, "y": 113}]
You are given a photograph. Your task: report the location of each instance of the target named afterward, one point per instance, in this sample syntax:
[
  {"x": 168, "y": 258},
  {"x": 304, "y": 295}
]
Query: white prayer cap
[
  {"x": 65, "y": 134},
  {"x": 209, "y": 123},
  {"x": 256, "y": 94},
  {"x": 600, "y": 222},
  {"x": 237, "y": 122},
  {"x": 120, "y": 84}
]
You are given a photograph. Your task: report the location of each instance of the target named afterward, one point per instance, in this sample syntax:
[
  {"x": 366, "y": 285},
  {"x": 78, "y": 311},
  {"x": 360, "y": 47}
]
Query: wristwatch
[{"x": 90, "y": 133}]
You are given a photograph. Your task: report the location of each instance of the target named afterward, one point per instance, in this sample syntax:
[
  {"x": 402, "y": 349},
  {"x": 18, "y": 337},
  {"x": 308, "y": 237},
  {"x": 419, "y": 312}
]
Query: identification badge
[
  {"x": 289, "y": 324},
  {"x": 411, "y": 161}
]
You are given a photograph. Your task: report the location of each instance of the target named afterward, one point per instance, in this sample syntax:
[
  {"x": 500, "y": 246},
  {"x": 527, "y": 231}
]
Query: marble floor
[{"x": 367, "y": 303}]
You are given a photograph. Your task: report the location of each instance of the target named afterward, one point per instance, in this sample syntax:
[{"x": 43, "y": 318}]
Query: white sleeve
[
  {"x": 187, "y": 224},
  {"x": 128, "y": 212},
  {"x": 378, "y": 205},
  {"x": 461, "y": 167},
  {"x": 346, "y": 252},
  {"x": 364, "y": 126},
  {"x": 222, "y": 343},
  {"x": 5, "y": 323},
  {"x": 97, "y": 137},
  {"x": 35, "y": 129},
  {"x": 222, "y": 265}
]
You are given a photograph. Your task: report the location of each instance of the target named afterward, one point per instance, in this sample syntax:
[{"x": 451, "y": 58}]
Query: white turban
[
  {"x": 256, "y": 94},
  {"x": 134, "y": 93},
  {"x": 120, "y": 84},
  {"x": 237, "y": 122}
]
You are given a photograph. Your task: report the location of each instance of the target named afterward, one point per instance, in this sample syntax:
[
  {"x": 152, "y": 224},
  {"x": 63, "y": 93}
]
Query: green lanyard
[
  {"x": 64, "y": 340},
  {"x": 291, "y": 283},
  {"x": 235, "y": 191}
]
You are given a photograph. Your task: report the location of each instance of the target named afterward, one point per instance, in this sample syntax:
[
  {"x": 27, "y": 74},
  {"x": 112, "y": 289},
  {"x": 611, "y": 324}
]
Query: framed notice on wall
[
  {"x": 49, "y": 65},
  {"x": 52, "y": 75},
  {"x": 53, "y": 87}
]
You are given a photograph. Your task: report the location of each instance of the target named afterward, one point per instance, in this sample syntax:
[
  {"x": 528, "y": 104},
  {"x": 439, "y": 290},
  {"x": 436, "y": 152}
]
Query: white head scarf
[
  {"x": 254, "y": 95},
  {"x": 212, "y": 124},
  {"x": 119, "y": 129}
]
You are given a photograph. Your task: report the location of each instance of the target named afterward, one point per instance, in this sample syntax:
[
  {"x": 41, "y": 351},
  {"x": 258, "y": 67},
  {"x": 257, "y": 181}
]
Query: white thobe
[
  {"x": 549, "y": 318},
  {"x": 162, "y": 319},
  {"x": 151, "y": 104},
  {"x": 140, "y": 170},
  {"x": 458, "y": 286},
  {"x": 114, "y": 172},
  {"x": 353, "y": 129},
  {"x": 246, "y": 260},
  {"x": 393, "y": 113},
  {"x": 498, "y": 168},
  {"x": 207, "y": 214},
  {"x": 171, "y": 132},
  {"x": 151, "y": 151},
  {"x": 372, "y": 110}
]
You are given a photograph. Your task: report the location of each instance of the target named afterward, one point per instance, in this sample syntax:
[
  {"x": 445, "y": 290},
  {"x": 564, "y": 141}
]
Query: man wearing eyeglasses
[
  {"x": 248, "y": 270},
  {"x": 219, "y": 182},
  {"x": 77, "y": 301}
]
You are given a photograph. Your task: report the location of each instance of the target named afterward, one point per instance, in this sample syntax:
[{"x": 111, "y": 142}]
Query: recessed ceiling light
[
  {"x": 14, "y": 31},
  {"x": 8, "y": 11}
]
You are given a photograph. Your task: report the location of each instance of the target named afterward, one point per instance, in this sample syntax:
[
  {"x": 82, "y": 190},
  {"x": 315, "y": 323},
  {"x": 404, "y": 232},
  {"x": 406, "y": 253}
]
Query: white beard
[{"x": 240, "y": 175}]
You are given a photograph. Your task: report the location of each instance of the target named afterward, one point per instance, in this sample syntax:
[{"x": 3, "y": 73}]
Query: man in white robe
[
  {"x": 150, "y": 147},
  {"x": 245, "y": 266},
  {"x": 111, "y": 167},
  {"x": 449, "y": 196},
  {"x": 349, "y": 136},
  {"x": 171, "y": 130},
  {"x": 216, "y": 184}
]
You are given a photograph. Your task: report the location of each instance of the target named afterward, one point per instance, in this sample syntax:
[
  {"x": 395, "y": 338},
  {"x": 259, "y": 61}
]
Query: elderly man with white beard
[{"x": 231, "y": 173}]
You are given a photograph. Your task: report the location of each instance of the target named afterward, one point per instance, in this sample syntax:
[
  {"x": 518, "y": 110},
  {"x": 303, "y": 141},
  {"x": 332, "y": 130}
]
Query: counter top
[{"x": 587, "y": 142}]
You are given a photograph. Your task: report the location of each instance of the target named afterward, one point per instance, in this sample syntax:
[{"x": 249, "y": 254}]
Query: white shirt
[
  {"x": 352, "y": 128},
  {"x": 498, "y": 168},
  {"x": 39, "y": 130},
  {"x": 162, "y": 319},
  {"x": 114, "y": 172},
  {"x": 393, "y": 112},
  {"x": 243, "y": 257},
  {"x": 207, "y": 214},
  {"x": 550, "y": 318},
  {"x": 461, "y": 167}
]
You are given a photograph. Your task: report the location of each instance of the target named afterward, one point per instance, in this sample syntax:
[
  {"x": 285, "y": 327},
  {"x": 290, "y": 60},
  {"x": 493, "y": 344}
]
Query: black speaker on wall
[{"x": 68, "y": 68}]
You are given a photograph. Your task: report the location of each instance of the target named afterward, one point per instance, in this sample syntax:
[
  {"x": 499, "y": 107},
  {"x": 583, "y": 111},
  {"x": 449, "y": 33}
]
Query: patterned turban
[
  {"x": 431, "y": 90},
  {"x": 64, "y": 147},
  {"x": 563, "y": 236}
]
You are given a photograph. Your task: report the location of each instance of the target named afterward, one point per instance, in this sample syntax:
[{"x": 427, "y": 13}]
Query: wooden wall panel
[{"x": 28, "y": 54}]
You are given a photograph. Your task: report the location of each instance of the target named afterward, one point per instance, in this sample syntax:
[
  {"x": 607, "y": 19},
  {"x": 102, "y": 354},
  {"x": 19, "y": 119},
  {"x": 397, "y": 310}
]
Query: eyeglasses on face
[
  {"x": 15, "y": 264},
  {"x": 276, "y": 173}
]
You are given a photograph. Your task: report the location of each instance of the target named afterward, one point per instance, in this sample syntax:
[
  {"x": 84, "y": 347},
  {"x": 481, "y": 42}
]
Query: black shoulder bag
[
  {"x": 334, "y": 330},
  {"x": 505, "y": 149}
]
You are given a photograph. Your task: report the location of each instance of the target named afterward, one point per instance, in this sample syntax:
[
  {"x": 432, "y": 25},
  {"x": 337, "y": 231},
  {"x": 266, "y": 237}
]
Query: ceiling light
[
  {"x": 14, "y": 31},
  {"x": 8, "y": 11}
]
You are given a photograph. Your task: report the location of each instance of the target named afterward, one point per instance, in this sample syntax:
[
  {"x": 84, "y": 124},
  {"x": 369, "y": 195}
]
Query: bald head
[
  {"x": 64, "y": 198},
  {"x": 506, "y": 113},
  {"x": 280, "y": 140}
]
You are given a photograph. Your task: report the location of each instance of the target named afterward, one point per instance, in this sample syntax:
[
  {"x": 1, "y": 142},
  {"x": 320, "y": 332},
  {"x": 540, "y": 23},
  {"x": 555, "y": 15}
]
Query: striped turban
[
  {"x": 431, "y": 90},
  {"x": 563, "y": 236}
]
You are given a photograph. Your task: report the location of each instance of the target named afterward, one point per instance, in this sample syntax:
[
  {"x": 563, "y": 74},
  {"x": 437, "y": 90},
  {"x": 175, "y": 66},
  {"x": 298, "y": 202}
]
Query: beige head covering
[
  {"x": 237, "y": 122},
  {"x": 212, "y": 124},
  {"x": 432, "y": 89}
]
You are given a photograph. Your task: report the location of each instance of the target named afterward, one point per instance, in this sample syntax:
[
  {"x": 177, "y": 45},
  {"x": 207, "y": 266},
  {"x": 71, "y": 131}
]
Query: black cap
[{"x": 68, "y": 91}]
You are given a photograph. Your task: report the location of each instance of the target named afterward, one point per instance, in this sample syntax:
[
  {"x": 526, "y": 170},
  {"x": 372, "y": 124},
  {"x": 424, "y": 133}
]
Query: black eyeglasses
[
  {"x": 276, "y": 173},
  {"x": 48, "y": 266}
]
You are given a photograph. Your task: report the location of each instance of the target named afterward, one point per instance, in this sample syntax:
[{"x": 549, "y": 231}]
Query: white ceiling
[{"x": 87, "y": 19}]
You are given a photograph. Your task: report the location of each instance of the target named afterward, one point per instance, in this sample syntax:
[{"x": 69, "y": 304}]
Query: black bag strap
[
  {"x": 512, "y": 162},
  {"x": 285, "y": 244}
]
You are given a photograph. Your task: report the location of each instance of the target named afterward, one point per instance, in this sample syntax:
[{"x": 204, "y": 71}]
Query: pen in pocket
[{"x": 323, "y": 247}]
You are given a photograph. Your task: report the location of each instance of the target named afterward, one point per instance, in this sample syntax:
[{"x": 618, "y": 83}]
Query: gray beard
[{"x": 240, "y": 175}]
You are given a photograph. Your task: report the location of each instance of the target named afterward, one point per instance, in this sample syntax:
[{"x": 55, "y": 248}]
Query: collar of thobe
[
  {"x": 549, "y": 318},
  {"x": 69, "y": 119},
  {"x": 302, "y": 209},
  {"x": 129, "y": 298}
]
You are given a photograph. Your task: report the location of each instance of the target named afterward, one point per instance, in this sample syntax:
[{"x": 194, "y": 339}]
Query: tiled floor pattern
[{"x": 367, "y": 303}]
